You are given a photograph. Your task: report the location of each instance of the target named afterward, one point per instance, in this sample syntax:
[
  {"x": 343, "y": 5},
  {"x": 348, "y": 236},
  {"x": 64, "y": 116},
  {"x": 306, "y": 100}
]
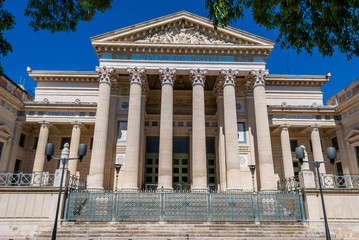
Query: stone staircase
[{"x": 184, "y": 231}]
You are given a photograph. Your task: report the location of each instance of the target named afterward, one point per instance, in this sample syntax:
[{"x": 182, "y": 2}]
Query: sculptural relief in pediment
[{"x": 182, "y": 36}]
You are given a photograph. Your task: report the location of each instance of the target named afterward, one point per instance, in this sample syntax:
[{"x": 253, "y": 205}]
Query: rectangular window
[
  {"x": 36, "y": 139},
  {"x": 293, "y": 144},
  {"x": 152, "y": 144},
  {"x": 241, "y": 132},
  {"x": 17, "y": 166},
  {"x": 65, "y": 140},
  {"x": 335, "y": 143},
  {"x": 22, "y": 140},
  {"x": 1, "y": 149},
  {"x": 91, "y": 143},
  {"x": 356, "y": 149},
  {"x": 339, "y": 169}
]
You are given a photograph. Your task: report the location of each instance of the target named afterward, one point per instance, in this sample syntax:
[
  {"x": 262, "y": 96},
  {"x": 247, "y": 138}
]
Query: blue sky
[{"x": 43, "y": 50}]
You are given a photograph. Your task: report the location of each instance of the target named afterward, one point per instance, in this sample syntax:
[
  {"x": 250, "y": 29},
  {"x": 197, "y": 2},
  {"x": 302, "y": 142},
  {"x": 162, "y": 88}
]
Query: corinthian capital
[
  {"x": 105, "y": 74},
  {"x": 136, "y": 75},
  {"x": 258, "y": 77},
  {"x": 167, "y": 75},
  {"x": 198, "y": 76},
  {"x": 229, "y": 76}
]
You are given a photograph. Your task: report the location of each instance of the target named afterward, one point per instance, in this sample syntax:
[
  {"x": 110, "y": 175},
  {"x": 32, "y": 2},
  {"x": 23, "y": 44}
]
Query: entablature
[{"x": 296, "y": 80}]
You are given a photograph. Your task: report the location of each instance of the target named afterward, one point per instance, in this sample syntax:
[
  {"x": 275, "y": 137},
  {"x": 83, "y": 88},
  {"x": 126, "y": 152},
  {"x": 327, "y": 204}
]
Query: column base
[
  {"x": 164, "y": 189},
  {"x": 270, "y": 183},
  {"x": 129, "y": 189},
  {"x": 199, "y": 189},
  {"x": 95, "y": 182}
]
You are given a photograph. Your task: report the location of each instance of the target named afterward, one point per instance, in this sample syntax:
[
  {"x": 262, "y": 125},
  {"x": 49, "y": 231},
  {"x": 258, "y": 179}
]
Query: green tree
[
  {"x": 52, "y": 15},
  {"x": 303, "y": 24},
  {"x": 7, "y": 22}
]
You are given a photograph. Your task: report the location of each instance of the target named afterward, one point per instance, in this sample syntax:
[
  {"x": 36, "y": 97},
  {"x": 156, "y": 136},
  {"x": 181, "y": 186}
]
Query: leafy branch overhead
[
  {"x": 52, "y": 15},
  {"x": 303, "y": 25},
  {"x": 63, "y": 15}
]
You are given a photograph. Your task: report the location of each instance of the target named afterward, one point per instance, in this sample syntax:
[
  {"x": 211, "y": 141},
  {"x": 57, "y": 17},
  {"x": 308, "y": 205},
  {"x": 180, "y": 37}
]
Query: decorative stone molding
[
  {"x": 229, "y": 76},
  {"x": 145, "y": 86},
  {"x": 258, "y": 77},
  {"x": 106, "y": 74},
  {"x": 167, "y": 75},
  {"x": 182, "y": 35},
  {"x": 136, "y": 75},
  {"x": 284, "y": 127},
  {"x": 198, "y": 76},
  {"x": 44, "y": 124},
  {"x": 314, "y": 127}
]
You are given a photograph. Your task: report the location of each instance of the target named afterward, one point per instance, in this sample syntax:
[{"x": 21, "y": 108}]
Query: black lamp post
[
  {"x": 332, "y": 154},
  {"x": 253, "y": 169},
  {"x": 49, "y": 151},
  {"x": 117, "y": 168}
]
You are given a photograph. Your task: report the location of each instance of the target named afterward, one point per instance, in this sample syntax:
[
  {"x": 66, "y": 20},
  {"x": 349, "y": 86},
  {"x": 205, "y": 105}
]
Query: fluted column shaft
[
  {"x": 40, "y": 149},
  {"x": 231, "y": 129},
  {"x": 74, "y": 146},
  {"x": 317, "y": 147},
  {"x": 199, "y": 181},
  {"x": 221, "y": 144},
  {"x": 165, "y": 174},
  {"x": 98, "y": 155},
  {"x": 133, "y": 130},
  {"x": 268, "y": 180},
  {"x": 286, "y": 152}
]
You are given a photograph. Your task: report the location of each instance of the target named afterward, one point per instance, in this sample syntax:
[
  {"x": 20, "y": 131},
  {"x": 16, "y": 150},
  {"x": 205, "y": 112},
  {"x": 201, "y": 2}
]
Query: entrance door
[
  {"x": 151, "y": 164},
  {"x": 211, "y": 163},
  {"x": 181, "y": 165},
  {"x": 181, "y": 171}
]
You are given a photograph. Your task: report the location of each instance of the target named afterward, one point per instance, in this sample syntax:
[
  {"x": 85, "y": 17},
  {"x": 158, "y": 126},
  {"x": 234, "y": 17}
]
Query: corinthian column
[
  {"x": 133, "y": 129},
  {"x": 75, "y": 142},
  {"x": 317, "y": 147},
  {"x": 167, "y": 77},
  {"x": 286, "y": 152},
  {"x": 199, "y": 181},
  {"x": 230, "y": 129},
  {"x": 98, "y": 155},
  {"x": 40, "y": 149},
  {"x": 268, "y": 180}
]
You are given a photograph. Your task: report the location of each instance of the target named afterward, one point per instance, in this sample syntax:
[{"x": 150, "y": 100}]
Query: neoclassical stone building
[{"x": 182, "y": 106}]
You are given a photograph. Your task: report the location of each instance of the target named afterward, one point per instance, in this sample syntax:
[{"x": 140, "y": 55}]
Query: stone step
[{"x": 183, "y": 238}]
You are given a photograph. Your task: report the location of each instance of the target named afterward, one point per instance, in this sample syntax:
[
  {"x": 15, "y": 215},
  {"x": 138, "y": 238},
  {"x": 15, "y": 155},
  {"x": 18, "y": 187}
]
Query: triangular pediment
[
  {"x": 352, "y": 136},
  {"x": 181, "y": 28}
]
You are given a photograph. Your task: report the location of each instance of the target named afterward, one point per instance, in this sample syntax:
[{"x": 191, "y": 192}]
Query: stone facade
[{"x": 181, "y": 106}]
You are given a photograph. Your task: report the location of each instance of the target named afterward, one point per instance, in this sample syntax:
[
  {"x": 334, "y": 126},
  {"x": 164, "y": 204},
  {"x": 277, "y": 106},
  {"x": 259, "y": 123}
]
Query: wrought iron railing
[
  {"x": 289, "y": 184},
  {"x": 183, "y": 206},
  {"x": 77, "y": 183},
  {"x": 331, "y": 181},
  {"x": 39, "y": 179}
]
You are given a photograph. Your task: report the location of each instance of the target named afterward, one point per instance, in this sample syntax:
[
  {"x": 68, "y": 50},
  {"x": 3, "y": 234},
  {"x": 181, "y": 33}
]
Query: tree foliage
[
  {"x": 63, "y": 15},
  {"x": 302, "y": 24},
  {"x": 52, "y": 15},
  {"x": 7, "y": 22}
]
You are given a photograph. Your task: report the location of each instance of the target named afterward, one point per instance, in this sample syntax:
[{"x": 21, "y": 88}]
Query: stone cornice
[
  {"x": 296, "y": 80},
  {"x": 156, "y": 48},
  {"x": 64, "y": 76}
]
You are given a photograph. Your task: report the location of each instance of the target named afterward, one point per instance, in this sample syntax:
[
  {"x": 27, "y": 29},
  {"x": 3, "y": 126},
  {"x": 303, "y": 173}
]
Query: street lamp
[
  {"x": 332, "y": 154},
  {"x": 117, "y": 168},
  {"x": 49, "y": 151},
  {"x": 253, "y": 169}
]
